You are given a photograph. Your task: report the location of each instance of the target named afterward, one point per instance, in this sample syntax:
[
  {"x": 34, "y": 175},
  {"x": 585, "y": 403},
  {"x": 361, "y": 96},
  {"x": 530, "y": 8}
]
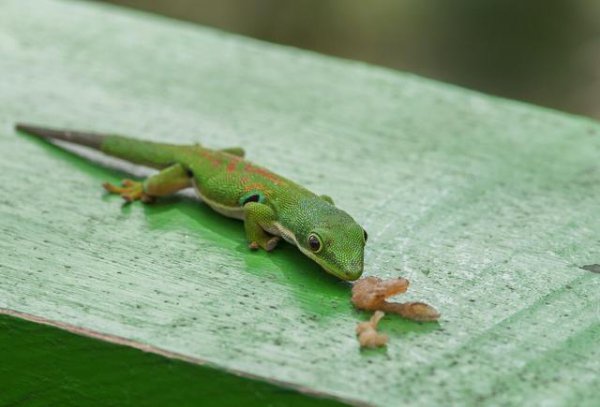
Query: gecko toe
[
  {"x": 272, "y": 243},
  {"x": 130, "y": 191}
]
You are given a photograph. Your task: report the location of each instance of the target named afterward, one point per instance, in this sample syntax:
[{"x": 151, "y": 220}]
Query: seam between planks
[{"x": 118, "y": 340}]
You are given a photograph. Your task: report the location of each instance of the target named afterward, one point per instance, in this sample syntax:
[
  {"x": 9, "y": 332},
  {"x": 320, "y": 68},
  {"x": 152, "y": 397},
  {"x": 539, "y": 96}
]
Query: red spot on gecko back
[
  {"x": 263, "y": 173},
  {"x": 233, "y": 162},
  {"x": 257, "y": 186},
  {"x": 214, "y": 160}
]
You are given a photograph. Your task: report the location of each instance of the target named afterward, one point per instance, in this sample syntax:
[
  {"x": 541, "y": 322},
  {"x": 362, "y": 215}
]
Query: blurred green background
[{"x": 545, "y": 52}]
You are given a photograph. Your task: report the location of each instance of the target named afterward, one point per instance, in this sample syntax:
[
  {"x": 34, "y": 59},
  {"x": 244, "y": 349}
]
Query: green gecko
[{"x": 271, "y": 207}]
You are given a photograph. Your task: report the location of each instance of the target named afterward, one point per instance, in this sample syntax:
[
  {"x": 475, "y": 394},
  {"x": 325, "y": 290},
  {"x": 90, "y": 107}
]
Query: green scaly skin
[{"x": 271, "y": 206}]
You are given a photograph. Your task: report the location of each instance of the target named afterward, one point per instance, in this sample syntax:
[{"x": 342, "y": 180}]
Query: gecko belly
[{"x": 235, "y": 212}]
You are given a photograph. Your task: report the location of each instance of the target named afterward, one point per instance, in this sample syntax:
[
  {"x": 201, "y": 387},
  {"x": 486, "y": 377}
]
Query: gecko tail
[
  {"x": 87, "y": 139},
  {"x": 148, "y": 153}
]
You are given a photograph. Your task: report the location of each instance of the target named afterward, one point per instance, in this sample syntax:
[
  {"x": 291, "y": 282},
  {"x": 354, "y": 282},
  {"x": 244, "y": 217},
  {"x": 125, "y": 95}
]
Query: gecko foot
[
  {"x": 268, "y": 245},
  {"x": 130, "y": 190}
]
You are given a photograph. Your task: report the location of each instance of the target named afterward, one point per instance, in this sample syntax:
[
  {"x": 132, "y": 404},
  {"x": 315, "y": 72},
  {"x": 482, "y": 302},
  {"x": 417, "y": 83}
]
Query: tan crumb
[
  {"x": 370, "y": 294},
  {"x": 368, "y": 337}
]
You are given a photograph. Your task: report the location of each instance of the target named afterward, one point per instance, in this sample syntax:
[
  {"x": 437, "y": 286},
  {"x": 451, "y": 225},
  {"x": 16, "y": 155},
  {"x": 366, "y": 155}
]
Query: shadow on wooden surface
[{"x": 46, "y": 366}]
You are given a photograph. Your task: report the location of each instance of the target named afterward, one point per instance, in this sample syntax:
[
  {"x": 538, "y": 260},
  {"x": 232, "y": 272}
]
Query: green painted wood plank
[
  {"x": 46, "y": 366},
  {"x": 488, "y": 206}
]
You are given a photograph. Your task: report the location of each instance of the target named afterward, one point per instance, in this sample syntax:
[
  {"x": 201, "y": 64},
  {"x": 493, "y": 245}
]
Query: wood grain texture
[{"x": 489, "y": 207}]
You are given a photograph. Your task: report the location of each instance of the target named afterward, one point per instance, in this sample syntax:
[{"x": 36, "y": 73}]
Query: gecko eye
[
  {"x": 366, "y": 235},
  {"x": 314, "y": 243}
]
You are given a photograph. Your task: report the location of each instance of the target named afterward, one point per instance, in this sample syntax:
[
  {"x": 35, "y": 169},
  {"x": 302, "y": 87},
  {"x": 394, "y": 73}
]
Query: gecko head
[{"x": 336, "y": 242}]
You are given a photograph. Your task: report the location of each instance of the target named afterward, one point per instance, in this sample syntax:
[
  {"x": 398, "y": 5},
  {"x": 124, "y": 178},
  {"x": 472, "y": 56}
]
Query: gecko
[{"x": 272, "y": 207}]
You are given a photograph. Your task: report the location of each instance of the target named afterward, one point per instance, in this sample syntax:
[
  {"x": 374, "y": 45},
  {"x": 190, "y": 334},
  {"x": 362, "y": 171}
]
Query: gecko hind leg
[
  {"x": 327, "y": 199},
  {"x": 129, "y": 190},
  {"x": 166, "y": 182}
]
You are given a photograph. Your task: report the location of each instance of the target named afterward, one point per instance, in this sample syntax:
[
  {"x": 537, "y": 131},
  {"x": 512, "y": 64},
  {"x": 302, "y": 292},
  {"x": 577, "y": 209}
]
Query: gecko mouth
[
  {"x": 349, "y": 271},
  {"x": 352, "y": 274}
]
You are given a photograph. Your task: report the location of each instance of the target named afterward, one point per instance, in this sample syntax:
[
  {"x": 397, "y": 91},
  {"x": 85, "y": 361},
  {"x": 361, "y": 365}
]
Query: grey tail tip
[{"x": 87, "y": 139}]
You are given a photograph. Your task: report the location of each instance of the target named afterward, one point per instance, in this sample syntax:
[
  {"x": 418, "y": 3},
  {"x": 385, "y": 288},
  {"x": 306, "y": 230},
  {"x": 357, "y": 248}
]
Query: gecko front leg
[
  {"x": 257, "y": 218},
  {"x": 166, "y": 182}
]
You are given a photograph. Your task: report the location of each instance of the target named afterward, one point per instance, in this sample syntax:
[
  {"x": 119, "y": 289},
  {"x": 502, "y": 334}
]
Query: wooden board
[
  {"x": 489, "y": 207},
  {"x": 45, "y": 366}
]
